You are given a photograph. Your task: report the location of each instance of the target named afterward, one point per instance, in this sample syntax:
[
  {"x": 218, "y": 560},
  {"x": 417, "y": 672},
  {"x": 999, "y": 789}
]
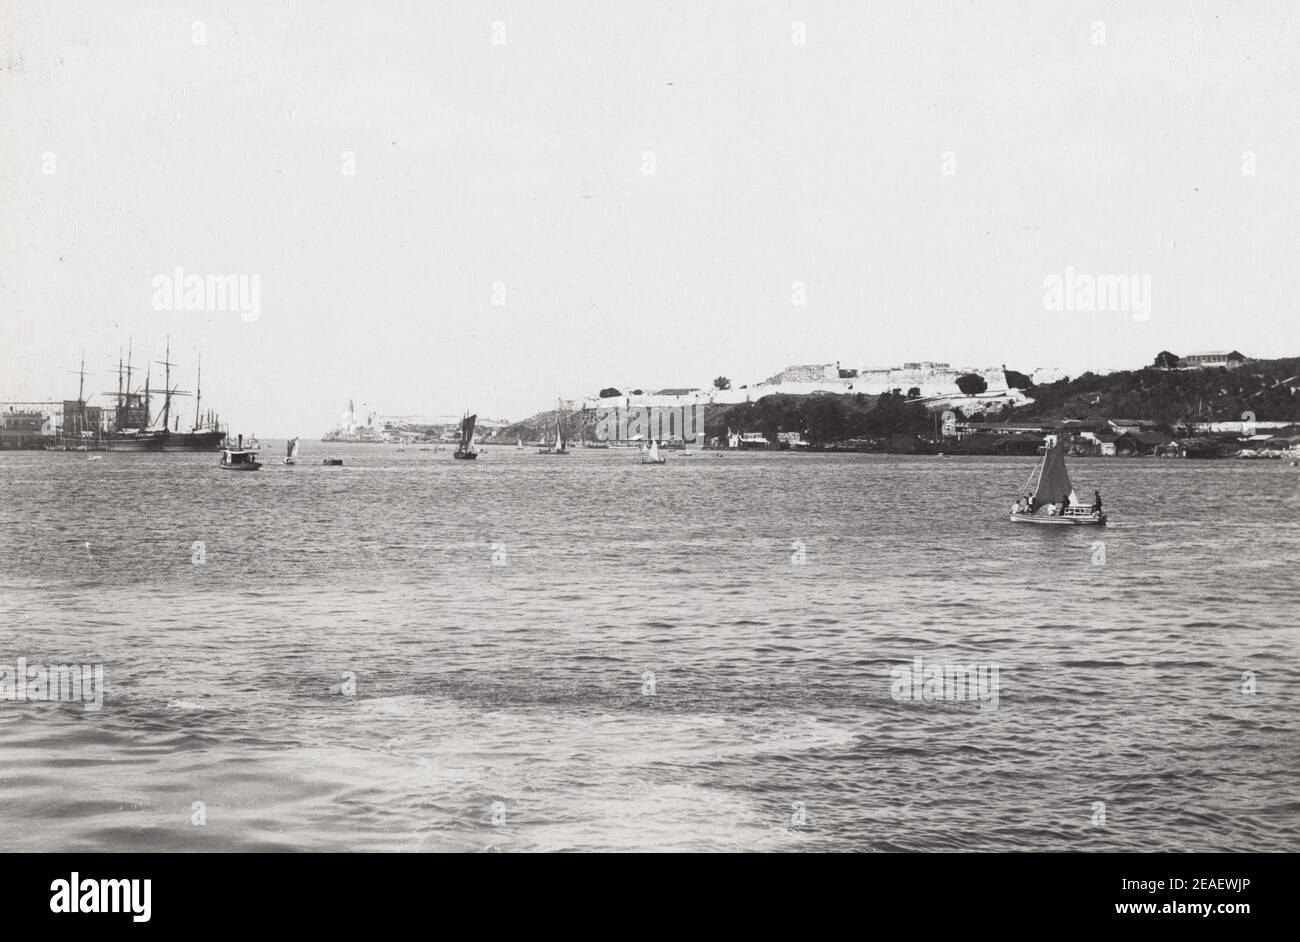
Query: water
[{"x": 508, "y": 705}]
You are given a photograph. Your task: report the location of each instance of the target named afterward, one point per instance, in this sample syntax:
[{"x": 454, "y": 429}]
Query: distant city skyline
[{"x": 485, "y": 210}]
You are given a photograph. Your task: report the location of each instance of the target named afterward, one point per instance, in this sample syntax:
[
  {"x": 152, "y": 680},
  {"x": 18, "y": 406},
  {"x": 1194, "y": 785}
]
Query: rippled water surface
[{"x": 501, "y": 619}]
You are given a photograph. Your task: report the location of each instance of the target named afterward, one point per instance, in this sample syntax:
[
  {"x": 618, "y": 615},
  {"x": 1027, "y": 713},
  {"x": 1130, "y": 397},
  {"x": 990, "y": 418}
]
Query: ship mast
[
  {"x": 198, "y": 393},
  {"x": 81, "y": 397},
  {"x": 167, "y": 384}
]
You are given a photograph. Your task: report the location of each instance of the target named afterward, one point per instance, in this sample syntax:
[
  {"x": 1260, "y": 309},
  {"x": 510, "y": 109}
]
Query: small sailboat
[
  {"x": 291, "y": 452},
  {"x": 239, "y": 458},
  {"x": 1052, "y": 500},
  {"x": 465, "y": 450},
  {"x": 652, "y": 456},
  {"x": 519, "y": 445},
  {"x": 561, "y": 446}
]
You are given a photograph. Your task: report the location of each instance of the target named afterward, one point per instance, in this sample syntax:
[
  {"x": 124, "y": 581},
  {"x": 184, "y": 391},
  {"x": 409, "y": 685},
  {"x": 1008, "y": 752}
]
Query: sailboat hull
[
  {"x": 465, "y": 455},
  {"x": 1069, "y": 520}
]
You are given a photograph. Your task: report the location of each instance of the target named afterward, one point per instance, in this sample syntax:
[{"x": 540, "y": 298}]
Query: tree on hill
[
  {"x": 721, "y": 383},
  {"x": 609, "y": 392},
  {"x": 1166, "y": 360},
  {"x": 1017, "y": 380},
  {"x": 914, "y": 392},
  {"x": 972, "y": 384}
]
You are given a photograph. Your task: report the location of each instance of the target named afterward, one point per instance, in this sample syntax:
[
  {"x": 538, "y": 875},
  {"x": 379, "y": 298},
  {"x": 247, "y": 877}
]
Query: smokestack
[{"x": 241, "y": 441}]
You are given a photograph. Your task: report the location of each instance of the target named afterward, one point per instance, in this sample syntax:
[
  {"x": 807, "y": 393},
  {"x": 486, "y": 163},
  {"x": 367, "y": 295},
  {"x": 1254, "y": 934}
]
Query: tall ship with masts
[{"x": 131, "y": 424}]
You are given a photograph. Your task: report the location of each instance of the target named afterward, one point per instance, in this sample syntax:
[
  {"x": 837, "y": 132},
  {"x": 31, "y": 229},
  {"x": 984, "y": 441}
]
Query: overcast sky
[{"x": 508, "y": 143}]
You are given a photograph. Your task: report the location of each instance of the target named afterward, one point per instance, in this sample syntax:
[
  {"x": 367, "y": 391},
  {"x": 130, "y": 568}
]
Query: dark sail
[
  {"x": 467, "y": 431},
  {"x": 1053, "y": 479}
]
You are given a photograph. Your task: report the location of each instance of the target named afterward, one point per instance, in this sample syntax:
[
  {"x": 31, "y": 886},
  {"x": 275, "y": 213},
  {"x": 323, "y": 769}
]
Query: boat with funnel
[{"x": 239, "y": 458}]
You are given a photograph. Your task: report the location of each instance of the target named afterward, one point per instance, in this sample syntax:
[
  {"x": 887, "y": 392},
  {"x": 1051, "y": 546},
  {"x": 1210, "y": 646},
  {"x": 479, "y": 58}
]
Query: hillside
[
  {"x": 1269, "y": 388},
  {"x": 821, "y": 418}
]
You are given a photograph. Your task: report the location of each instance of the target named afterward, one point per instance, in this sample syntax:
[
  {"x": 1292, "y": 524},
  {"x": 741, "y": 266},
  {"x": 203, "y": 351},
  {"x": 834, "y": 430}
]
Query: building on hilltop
[{"x": 1206, "y": 360}]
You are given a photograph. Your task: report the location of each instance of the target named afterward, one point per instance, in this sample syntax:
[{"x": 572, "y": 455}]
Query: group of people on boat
[{"x": 1028, "y": 504}]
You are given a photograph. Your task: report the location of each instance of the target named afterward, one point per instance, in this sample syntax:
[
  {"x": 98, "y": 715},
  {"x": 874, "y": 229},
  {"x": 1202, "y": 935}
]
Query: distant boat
[
  {"x": 560, "y": 447},
  {"x": 291, "y": 452},
  {"x": 520, "y": 445},
  {"x": 1053, "y": 487},
  {"x": 239, "y": 458},
  {"x": 332, "y": 462},
  {"x": 465, "y": 449},
  {"x": 651, "y": 455}
]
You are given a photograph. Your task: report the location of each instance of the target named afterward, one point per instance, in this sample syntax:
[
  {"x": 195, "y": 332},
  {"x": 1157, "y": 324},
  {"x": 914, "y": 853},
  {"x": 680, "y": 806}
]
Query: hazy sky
[{"x": 523, "y": 163}]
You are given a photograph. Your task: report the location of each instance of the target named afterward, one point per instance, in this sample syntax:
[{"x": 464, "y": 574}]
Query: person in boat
[
  {"x": 1096, "y": 502},
  {"x": 1065, "y": 504}
]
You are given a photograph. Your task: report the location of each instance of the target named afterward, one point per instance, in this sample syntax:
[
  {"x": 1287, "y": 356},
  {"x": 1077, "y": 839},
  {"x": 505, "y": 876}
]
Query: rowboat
[{"x": 1053, "y": 503}]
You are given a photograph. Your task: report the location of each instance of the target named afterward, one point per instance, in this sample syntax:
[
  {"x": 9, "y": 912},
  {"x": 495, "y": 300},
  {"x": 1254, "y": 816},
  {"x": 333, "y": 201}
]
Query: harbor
[
  {"x": 129, "y": 423},
  {"x": 500, "y": 617}
]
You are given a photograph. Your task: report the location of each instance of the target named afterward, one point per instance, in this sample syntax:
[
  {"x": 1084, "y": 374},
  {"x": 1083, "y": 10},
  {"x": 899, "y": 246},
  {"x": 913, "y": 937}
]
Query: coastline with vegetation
[{"x": 1163, "y": 408}]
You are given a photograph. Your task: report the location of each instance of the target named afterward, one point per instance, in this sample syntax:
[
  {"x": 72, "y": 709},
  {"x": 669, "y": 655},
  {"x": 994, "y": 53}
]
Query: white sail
[
  {"x": 293, "y": 448},
  {"x": 654, "y": 451}
]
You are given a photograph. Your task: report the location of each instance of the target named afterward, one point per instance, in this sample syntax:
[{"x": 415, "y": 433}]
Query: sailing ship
[
  {"x": 561, "y": 446},
  {"x": 239, "y": 458},
  {"x": 1052, "y": 500},
  {"x": 291, "y": 452},
  {"x": 651, "y": 455},
  {"x": 465, "y": 450}
]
